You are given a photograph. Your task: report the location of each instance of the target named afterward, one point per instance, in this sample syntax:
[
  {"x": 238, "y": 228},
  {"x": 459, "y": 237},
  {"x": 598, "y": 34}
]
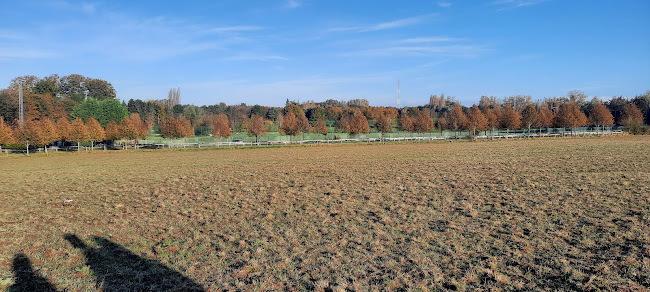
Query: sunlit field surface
[{"x": 571, "y": 213}]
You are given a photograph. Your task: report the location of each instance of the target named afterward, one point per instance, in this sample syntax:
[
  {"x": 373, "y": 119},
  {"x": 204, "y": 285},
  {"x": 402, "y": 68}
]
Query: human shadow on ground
[
  {"x": 26, "y": 277},
  {"x": 118, "y": 269}
]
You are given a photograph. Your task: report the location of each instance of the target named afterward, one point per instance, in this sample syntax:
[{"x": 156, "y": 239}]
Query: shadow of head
[
  {"x": 26, "y": 278},
  {"x": 22, "y": 264},
  {"x": 75, "y": 241}
]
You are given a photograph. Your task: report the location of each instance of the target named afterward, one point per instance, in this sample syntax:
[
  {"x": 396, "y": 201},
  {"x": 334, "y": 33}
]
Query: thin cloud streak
[
  {"x": 511, "y": 4},
  {"x": 20, "y": 53},
  {"x": 419, "y": 40},
  {"x": 256, "y": 57},
  {"x": 467, "y": 51},
  {"x": 238, "y": 28},
  {"x": 293, "y": 4},
  {"x": 385, "y": 25}
]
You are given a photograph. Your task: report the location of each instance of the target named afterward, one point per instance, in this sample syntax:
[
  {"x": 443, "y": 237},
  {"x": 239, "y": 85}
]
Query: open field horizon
[{"x": 569, "y": 213}]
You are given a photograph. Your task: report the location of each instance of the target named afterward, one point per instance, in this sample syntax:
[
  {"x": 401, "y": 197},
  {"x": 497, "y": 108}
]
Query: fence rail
[{"x": 230, "y": 144}]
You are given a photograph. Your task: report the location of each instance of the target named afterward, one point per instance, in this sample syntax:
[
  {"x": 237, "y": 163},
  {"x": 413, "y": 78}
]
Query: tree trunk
[
  {"x": 27, "y": 148},
  {"x": 46, "y": 154},
  {"x": 78, "y": 147}
]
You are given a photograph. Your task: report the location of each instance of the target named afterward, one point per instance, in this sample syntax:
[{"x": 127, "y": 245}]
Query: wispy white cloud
[
  {"x": 255, "y": 57},
  {"x": 510, "y": 4},
  {"x": 21, "y": 53},
  {"x": 293, "y": 4},
  {"x": 236, "y": 28},
  {"x": 428, "y": 40},
  {"x": 6, "y": 34},
  {"x": 88, "y": 7},
  {"x": 444, "y": 4},
  {"x": 467, "y": 51},
  {"x": 386, "y": 25}
]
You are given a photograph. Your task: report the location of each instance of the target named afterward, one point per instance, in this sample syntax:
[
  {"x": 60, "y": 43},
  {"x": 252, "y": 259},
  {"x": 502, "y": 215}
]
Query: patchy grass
[{"x": 567, "y": 214}]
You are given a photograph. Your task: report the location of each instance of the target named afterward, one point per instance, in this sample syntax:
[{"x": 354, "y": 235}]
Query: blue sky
[{"x": 267, "y": 51}]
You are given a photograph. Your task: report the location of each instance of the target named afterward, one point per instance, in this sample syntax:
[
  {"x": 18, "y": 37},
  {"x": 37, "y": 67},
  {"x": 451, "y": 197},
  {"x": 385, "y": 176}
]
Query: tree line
[{"x": 78, "y": 109}]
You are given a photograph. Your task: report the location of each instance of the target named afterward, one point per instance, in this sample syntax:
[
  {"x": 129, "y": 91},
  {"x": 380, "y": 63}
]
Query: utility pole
[{"x": 21, "y": 115}]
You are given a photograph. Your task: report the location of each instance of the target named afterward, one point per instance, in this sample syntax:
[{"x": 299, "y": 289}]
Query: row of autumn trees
[
  {"x": 75, "y": 97},
  {"x": 43, "y": 132}
]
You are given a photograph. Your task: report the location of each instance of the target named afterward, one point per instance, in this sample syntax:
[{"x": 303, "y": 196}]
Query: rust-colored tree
[
  {"x": 172, "y": 129},
  {"x": 320, "y": 127},
  {"x": 221, "y": 127},
  {"x": 79, "y": 132},
  {"x": 353, "y": 122},
  {"x": 545, "y": 119},
  {"x": 510, "y": 118},
  {"x": 46, "y": 133},
  {"x": 405, "y": 122},
  {"x": 569, "y": 115},
  {"x": 333, "y": 113},
  {"x": 492, "y": 119},
  {"x": 95, "y": 131},
  {"x": 186, "y": 127},
  {"x": 457, "y": 118},
  {"x": 141, "y": 129},
  {"x": 113, "y": 131},
  {"x": 529, "y": 116},
  {"x": 28, "y": 133},
  {"x": 303, "y": 125},
  {"x": 442, "y": 124},
  {"x": 128, "y": 131},
  {"x": 255, "y": 127},
  {"x": 476, "y": 121},
  {"x": 383, "y": 125},
  {"x": 600, "y": 116},
  {"x": 6, "y": 134},
  {"x": 63, "y": 128},
  {"x": 423, "y": 123},
  {"x": 632, "y": 117},
  {"x": 290, "y": 125}
]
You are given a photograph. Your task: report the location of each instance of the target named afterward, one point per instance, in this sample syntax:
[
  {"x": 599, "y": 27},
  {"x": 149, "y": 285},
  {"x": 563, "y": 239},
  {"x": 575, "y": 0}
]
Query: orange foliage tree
[
  {"x": 290, "y": 125},
  {"x": 569, "y": 115},
  {"x": 320, "y": 127},
  {"x": 113, "y": 131},
  {"x": 383, "y": 125},
  {"x": 353, "y": 122},
  {"x": 600, "y": 116},
  {"x": 63, "y": 128},
  {"x": 492, "y": 119},
  {"x": 442, "y": 124},
  {"x": 221, "y": 127},
  {"x": 175, "y": 128},
  {"x": 6, "y": 133},
  {"x": 28, "y": 133},
  {"x": 405, "y": 122},
  {"x": 95, "y": 131},
  {"x": 457, "y": 118},
  {"x": 632, "y": 116},
  {"x": 141, "y": 129},
  {"x": 423, "y": 123},
  {"x": 510, "y": 118},
  {"x": 529, "y": 116},
  {"x": 476, "y": 121},
  {"x": 47, "y": 133},
  {"x": 255, "y": 127},
  {"x": 79, "y": 132},
  {"x": 545, "y": 118}
]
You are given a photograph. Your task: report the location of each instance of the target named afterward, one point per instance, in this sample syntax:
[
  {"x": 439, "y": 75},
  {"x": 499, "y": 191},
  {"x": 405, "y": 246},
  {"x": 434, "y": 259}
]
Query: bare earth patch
[{"x": 570, "y": 214}]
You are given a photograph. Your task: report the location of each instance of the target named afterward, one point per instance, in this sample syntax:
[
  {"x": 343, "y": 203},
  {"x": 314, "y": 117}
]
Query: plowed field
[{"x": 531, "y": 214}]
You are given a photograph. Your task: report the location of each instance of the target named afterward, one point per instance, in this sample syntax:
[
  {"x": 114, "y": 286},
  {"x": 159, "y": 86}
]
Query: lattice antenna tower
[
  {"x": 398, "y": 97},
  {"x": 21, "y": 115}
]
